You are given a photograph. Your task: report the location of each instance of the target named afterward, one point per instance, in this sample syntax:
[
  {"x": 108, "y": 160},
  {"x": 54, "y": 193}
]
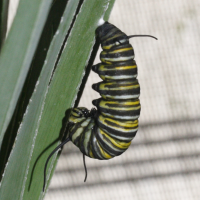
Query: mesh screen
[{"x": 163, "y": 161}]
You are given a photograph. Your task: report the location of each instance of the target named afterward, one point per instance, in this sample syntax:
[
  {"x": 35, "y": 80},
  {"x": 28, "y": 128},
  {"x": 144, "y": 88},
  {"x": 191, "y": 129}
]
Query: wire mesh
[{"x": 164, "y": 158}]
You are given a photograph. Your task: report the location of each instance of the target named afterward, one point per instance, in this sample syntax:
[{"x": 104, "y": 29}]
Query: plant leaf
[
  {"x": 50, "y": 28},
  {"x": 40, "y": 130},
  {"x": 3, "y": 20},
  {"x": 17, "y": 54}
]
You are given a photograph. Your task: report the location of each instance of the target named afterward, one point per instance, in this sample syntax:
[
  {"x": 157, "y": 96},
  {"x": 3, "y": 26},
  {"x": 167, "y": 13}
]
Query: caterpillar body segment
[
  {"x": 117, "y": 71},
  {"x": 118, "y": 109}
]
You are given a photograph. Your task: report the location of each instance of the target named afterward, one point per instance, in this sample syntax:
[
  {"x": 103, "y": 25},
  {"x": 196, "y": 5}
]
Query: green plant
[{"x": 42, "y": 64}]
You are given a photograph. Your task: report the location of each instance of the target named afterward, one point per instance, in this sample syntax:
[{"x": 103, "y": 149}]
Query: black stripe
[
  {"x": 115, "y": 132},
  {"x": 121, "y": 105},
  {"x": 113, "y": 41},
  {"x": 112, "y": 94},
  {"x": 120, "y": 84},
  {"x": 112, "y": 124},
  {"x": 121, "y": 46},
  {"x": 120, "y": 112},
  {"x": 115, "y": 103},
  {"x": 116, "y": 84},
  {"x": 118, "y": 55},
  {"x": 118, "y": 72},
  {"x": 107, "y": 148},
  {"x": 93, "y": 145},
  {"x": 111, "y": 111},
  {"x": 96, "y": 67},
  {"x": 111, "y": 33},
  {"x": 75, "y": 127},
  {"x": 81, "y": 142}
]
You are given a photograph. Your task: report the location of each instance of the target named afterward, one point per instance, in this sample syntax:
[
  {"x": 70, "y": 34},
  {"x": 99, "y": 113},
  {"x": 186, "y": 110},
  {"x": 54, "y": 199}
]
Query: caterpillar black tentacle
[
  {"x": 108, "y": 131},
  {"x": 51, "y": 154},
  {"x": 85, "y": 168}
]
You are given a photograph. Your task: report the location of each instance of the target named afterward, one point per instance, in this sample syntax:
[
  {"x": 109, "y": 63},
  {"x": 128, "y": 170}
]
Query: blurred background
[{"x": 163, "y": 162}]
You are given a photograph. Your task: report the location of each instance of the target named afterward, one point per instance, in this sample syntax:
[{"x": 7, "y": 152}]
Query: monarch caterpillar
[{"x": 107, "y": 131}]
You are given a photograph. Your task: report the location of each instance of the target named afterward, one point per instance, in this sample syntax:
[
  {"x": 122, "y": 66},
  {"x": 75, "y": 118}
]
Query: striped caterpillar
[{"x": 107, "y": 131}]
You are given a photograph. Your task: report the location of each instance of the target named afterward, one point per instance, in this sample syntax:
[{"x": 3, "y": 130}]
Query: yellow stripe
[
  {"x": 102, "y": 105},
  {"x": 107, "y": 47},
  {"x": 127, "y": 103},
  {"x": 103, "y": 53},
  {"x": 125, "y": 124},
  {"x": 76, "y": 120},
  {"x": 91, "y": 154},
  {"x": 117, "y": 143},
  {"x": 105, "y": 68},
  {"x": 121, "y": 50},
  {"x": 125, "y": 67},
  {"x": 114, "y": 36},
  {"x": 103, "y": 153},
  {"x": 117, "y": 51},
  {"x": 103, "y": 86},
  {"x": 105, "y": 61}
]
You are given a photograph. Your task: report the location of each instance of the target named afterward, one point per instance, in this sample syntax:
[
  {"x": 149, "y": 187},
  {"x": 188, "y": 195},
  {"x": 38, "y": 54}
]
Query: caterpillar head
[
  {"x": 78, "y": 114},
  {"x": 81, "y": 113},
  {"x": 111, "y": 36}
]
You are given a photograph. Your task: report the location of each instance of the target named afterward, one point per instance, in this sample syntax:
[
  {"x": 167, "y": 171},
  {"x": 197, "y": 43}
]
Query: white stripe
[
  {"x": 77, "y": 133},
  {"x": 121, "y": 76},
  {"x": 123, "y": 96},
  {"x": 119, "y": 59},
  {"x": 122, "y": 117}
]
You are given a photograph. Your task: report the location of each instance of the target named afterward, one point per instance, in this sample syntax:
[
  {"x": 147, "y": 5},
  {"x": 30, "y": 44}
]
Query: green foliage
[
  {"x": 3, "y": 20},
  {"x": 39, "y": 85}
]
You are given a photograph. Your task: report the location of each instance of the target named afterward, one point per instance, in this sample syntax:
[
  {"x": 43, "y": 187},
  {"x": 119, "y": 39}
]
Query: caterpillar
[{"x": 107, "y": 131}]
